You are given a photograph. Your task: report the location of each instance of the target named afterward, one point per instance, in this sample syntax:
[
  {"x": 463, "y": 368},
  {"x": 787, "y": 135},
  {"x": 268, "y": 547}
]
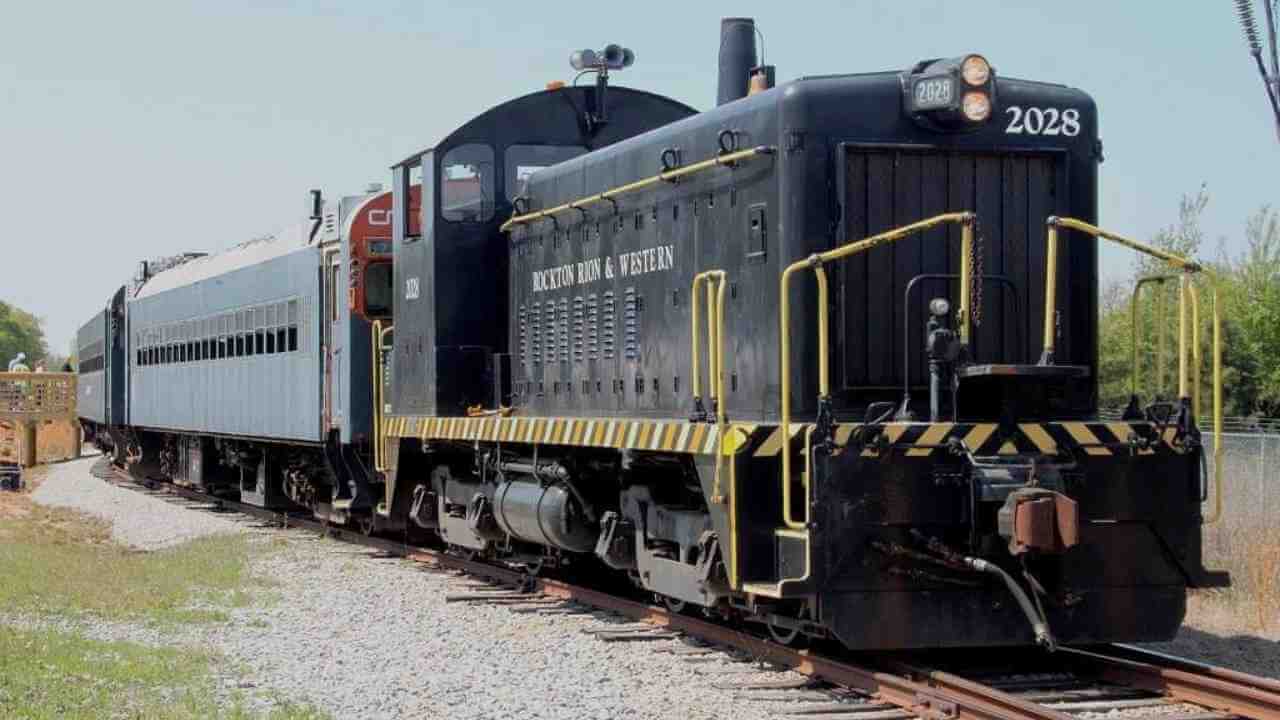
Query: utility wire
[{"x": 1270, "y": 80}]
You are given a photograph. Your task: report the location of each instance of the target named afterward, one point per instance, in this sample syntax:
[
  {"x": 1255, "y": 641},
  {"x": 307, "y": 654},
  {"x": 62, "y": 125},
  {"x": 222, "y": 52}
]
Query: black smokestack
[{"x": 737, "y": 57}]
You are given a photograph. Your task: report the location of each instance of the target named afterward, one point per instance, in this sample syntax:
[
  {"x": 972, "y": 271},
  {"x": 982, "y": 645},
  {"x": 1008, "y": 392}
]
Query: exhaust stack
[{"x": 737, "y": 58}]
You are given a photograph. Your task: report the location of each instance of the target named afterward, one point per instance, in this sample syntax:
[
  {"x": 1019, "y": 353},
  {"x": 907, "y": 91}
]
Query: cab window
[
  {"x": 524, "y": 160},
  {"x": 466, "y": 183},
  {"x": 377, "y": 289}
]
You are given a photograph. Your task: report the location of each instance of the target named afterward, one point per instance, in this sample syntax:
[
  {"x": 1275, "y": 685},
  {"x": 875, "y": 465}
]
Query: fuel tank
[{"x": 549, "y": 515}]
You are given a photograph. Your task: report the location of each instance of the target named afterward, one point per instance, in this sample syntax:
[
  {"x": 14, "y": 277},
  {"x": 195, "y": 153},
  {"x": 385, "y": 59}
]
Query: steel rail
[
  {"x": 1241, "y": 694},
  {"x": 919, "y": 698},
  {"x": 928, "y": 693},
  {"x": 927, "y": 700}
]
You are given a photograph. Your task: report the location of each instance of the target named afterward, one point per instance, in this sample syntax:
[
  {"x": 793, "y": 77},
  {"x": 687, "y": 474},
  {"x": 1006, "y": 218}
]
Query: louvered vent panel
[
  {"x": 593, "y": 327},
  {"x": 562, "y": 320},
  {"x": 631, "y": 324},
  {"x": 549, "y": 331},
  {"x": 608, "y": 325},
  {"x": 579, "y": 332},
  {"x": 524, "y": 335}
]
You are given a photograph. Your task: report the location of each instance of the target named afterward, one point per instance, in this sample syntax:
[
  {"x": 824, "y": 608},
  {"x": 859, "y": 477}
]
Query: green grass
[
  {"x": 60, "y": 562},
  {"x": 48, "y": 674}
]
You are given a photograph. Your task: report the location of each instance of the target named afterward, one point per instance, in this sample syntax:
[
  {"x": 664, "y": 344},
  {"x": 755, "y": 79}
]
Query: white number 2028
[{"x": 1043, "y": 121}]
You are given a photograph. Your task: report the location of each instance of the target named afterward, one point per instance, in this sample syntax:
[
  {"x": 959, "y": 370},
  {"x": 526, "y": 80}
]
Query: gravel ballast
[
  {"x": 138, "y": 520},
  {"x": 361, "y": 637},
  {"x": 374, "y": 638}
]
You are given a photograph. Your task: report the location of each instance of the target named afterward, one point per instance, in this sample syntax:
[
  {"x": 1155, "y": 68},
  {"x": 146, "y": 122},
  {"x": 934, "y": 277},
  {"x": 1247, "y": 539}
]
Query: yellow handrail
[
  {"x": 1051, "y": 279},
  {"x": 1185, "y": 289},
  {"x": 965, "y": 219},
  {"x": 1195, "y": 350},
  {"x": 379, "y": 438},
  {"x": 667, "y": 176},
  {"x": 1217, "y": 413},
  {"x": 711, "y": 278},
  {"x": 1133, "y": 321},
  {"x": 1183, "y": 390},
  {"x": 715, "y": 282}
]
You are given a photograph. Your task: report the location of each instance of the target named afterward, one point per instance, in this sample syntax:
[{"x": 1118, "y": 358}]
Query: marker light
[
  {"x": 939, "y": 307},
  {"x": 976, "y": 106},
  {"x": 975, "y": 70}
]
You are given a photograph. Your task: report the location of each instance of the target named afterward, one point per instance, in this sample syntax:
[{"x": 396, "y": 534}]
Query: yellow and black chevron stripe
[
  {"x": 991, "y": 439},
  {"x": 681, "y": 436},
  {"x": 677, "y": 436}
]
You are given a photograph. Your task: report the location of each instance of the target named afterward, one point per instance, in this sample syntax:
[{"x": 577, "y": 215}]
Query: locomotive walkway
[{"x": 27, "y": 402}]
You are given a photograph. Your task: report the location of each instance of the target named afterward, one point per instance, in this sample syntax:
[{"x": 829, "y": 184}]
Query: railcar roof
[
  {"x": 534, "y": 103},
  {"x": 240, "y": 256}
]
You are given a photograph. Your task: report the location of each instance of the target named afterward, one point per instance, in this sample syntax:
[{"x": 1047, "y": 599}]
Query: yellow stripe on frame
[
  {"x": 979, "y": 435},
  {"x": 698, "y": 436},
  {"x": 1083, "y": 435},
  {"x": 894, "y": 431},
  {"x": 713, "y": 435},
  {"x": 682, "y": 440},
  {"x": 844, "y": 432},
  {"x": 1121, "y": 430},
  {"x": 934, "y": 435},
  {"x": 1039, "y": 437},
  {"x": 772, "y": 444}
]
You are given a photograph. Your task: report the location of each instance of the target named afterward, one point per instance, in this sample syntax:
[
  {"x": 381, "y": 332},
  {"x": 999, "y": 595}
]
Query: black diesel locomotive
[{"x": 779, "y": 361}]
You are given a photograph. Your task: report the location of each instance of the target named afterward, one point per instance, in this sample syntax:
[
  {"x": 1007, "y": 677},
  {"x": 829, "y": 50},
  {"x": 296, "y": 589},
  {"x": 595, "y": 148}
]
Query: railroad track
[{"x": 1112, "y": 681}]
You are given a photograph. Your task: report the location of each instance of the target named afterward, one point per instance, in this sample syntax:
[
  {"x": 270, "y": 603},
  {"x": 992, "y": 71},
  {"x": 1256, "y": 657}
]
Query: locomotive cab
[{"x": 451, "y": 313}]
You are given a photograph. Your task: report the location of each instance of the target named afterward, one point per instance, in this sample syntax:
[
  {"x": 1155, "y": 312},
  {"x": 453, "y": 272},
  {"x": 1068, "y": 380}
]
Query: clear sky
[{"x": 147, "y": 127}]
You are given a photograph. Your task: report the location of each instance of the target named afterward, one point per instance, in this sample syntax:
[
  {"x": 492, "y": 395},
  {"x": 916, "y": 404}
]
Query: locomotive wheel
[
  {"x": 465, "y": 553},
  {"x": 791, "y": 637},
  {"x": 784, "y": 636},
  {"x": 672, "y": 604}
]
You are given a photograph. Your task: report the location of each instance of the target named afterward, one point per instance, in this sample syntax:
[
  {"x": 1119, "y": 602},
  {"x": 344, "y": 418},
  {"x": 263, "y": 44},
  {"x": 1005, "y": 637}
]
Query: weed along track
[{"x": 1024, "y": 684}]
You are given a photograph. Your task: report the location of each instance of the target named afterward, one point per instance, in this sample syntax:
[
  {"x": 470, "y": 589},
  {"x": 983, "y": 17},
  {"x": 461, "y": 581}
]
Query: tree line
[
  {"x": 1248, "y": 284},
  {"x": 21, "y": 331}
]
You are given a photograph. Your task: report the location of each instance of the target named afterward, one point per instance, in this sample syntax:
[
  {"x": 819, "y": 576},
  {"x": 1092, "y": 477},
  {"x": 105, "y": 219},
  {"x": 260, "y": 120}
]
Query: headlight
[
  {"x": 975, "y": 70},
  {"x": 939, "y": 307},
  {"x": 976, "y": 106},
  {"x": 950, "y": 94}
]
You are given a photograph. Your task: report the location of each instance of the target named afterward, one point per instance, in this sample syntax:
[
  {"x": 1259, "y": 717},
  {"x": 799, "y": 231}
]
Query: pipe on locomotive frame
[{"x": 965, "y": 219}]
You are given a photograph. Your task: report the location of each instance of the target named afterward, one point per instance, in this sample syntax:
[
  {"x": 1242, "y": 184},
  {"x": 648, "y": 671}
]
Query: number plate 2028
[
  {"x": 932, "y": 93},
  {"x": 1042, "y": 121}
]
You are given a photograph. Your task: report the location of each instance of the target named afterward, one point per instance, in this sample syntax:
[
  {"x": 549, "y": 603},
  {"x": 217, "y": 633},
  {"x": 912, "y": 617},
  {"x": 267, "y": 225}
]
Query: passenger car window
[
  {"x": 466, "y": 183},
  {"x": 524, "y": 160}
]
